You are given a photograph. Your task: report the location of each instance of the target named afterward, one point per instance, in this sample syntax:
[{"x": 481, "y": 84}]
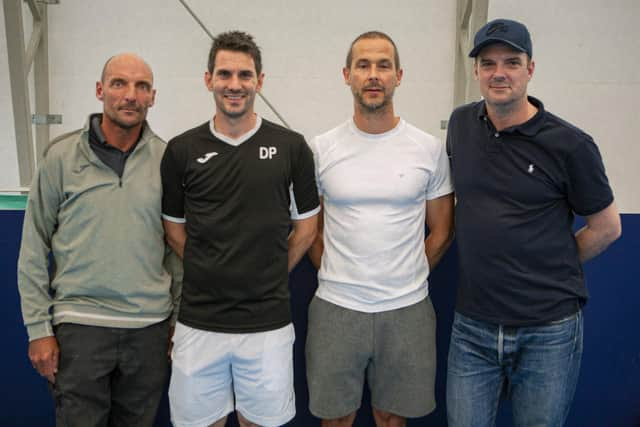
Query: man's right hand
[{"x": 43, "y": 353}]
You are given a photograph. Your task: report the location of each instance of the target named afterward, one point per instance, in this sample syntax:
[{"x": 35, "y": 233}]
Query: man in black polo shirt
[
  {"x": 520, "y": 175},
  {"x": 226, "y": 209}
]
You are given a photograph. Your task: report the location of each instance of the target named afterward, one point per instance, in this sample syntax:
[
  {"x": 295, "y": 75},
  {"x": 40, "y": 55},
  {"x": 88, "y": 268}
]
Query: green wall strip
[{"x": 17, "y": 202}]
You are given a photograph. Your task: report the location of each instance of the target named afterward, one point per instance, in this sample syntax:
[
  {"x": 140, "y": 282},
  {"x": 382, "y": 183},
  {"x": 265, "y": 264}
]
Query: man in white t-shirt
[{"x": 381, "y": 180}]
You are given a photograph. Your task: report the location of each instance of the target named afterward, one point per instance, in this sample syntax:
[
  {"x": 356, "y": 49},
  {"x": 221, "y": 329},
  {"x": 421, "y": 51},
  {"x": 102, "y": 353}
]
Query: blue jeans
[{"x": 536, "y": 367}]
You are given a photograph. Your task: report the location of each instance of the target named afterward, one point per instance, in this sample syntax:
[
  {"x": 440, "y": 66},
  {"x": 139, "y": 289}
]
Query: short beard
[{"x": 372, "y": 108}]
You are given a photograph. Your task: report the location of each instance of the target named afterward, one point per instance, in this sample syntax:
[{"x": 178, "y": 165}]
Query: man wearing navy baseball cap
[{"x": 521, "y": 174}]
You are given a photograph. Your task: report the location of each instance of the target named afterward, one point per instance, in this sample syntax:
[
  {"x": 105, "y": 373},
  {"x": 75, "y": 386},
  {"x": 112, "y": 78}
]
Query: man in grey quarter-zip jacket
[{"x": 99, "y": 319}]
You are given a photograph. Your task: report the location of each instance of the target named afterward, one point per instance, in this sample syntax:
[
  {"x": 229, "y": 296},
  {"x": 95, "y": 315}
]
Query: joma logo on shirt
[
  {"x": 267, "y": 152},
  {"x": 206, "y": 157}
]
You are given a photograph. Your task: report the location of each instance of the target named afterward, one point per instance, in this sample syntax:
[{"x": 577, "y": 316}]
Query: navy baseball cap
[{"x": 505, "y": 31}]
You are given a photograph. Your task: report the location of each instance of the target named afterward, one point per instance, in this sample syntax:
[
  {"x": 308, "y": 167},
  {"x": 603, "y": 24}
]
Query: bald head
[
  {"x": 126, "y": 60},
  {"x": 126, "y": 91}
]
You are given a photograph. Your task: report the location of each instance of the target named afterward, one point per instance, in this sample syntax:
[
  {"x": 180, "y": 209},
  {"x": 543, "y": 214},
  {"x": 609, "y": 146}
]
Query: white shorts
[{"x": 210, "y": 368}]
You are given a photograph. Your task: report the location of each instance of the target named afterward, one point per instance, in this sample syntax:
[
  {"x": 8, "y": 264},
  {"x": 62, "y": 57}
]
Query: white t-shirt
[{"x": 375, "y": 187}]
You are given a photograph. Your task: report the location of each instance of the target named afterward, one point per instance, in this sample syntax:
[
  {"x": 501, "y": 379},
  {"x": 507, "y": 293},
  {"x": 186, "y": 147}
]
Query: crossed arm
[
  {"x": 439, "y": 219},
  {"x": 176, "y": 235},
  {"x": 602, "y": 229},
  {"x": 317, "y": 247},
  {"x": 301, "y": 237}
]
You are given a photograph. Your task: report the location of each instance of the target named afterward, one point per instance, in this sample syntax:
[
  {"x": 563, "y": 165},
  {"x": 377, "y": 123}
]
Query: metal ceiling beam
[
  {"x": 41, "y": 84},
  {"x": 34, "y": 42},
  {"x": 20, "y": 63},
  {"x": 18, "y": 72},
  {"x": 35, "y": 11},
  {"x": 471, "y": 15},
  {"x": 211, "y": 36}
]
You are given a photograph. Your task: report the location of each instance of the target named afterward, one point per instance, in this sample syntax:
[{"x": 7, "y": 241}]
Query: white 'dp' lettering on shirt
[{"x": 267, "y": 152}]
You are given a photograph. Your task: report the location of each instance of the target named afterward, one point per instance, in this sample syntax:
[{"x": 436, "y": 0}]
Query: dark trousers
[{"x": 110, "y": 376}]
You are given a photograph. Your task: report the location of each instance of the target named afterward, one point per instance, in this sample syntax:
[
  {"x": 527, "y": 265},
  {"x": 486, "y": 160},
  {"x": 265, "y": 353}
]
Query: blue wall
[{"x": 608, "y": 391}]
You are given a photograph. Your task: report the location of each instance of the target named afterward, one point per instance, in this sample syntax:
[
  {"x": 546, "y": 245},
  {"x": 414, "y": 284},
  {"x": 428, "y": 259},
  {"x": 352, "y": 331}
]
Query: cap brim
[{"x": 476, "y": 50}]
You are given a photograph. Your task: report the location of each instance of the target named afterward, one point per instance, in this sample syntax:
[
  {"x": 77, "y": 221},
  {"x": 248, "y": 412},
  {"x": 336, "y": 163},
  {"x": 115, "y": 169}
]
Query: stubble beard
[
  {"x": 504, "y": 108},
  {"x": 126, "y": 125},
  {"x": 234, "y": 114},
  {"x": 373, "y": 108},
  {"x": 507, "y": 106}
]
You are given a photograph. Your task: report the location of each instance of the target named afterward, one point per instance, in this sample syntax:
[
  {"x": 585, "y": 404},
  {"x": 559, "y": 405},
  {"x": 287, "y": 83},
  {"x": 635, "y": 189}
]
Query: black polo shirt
[{"x": 517, "y": 192}]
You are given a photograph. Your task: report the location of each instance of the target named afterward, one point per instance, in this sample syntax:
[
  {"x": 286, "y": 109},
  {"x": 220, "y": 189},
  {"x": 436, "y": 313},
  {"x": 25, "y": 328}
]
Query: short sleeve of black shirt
[
  {"x": 304, "y": 181},
  {"x": 172, "y": 171},
  {"x": 588, "y": 187}
]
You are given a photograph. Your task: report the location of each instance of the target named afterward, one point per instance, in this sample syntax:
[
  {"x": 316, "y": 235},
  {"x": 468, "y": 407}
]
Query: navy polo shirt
[{"x": 517, "y": 192}]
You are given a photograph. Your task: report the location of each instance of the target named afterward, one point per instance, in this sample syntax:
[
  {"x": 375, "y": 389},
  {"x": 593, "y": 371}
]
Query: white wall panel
[
  {"x": 303, "y": 43},
  {"x": 586, "y": 54}
]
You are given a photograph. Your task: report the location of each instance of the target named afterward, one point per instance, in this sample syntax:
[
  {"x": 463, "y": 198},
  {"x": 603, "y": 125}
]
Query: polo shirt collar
[
  {"x": 529, "y": 128},
  {"x": 97, "y": 137},
  {"x": 95, "y": 133}
]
